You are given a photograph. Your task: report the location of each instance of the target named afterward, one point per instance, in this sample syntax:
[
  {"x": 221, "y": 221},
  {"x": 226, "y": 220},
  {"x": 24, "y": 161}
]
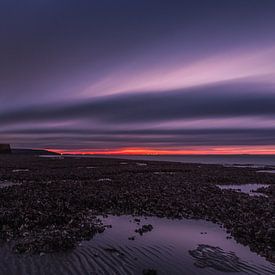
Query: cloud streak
[
  {"x": 220, "y": 100},
  {"x": 130, "y": 120}
]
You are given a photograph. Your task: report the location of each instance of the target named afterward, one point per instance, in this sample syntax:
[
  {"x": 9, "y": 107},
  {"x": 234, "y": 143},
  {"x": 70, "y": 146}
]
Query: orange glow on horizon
[{"x": 226, "y": 150}]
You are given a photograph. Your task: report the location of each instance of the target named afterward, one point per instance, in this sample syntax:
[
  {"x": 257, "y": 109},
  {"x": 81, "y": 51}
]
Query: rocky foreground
[{"x": 56, "y": 201}]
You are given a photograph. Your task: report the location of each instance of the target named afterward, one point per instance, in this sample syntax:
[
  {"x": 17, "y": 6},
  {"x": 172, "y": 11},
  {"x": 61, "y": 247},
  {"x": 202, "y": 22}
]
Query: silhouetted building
[{"x": 5, "y": 149}]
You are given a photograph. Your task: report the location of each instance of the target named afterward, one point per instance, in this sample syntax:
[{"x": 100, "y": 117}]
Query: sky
[{"x": 139, "y": 76}]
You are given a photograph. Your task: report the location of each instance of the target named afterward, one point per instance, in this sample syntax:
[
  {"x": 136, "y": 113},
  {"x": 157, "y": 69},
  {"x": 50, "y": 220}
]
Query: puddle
[
  {"x": 244, "y": 166},
  {"x": 8, "y": 184},
  {"x": 20, "y": 170},
  {"x": 266, "y": 171},
  {"x": 245, "y": 188},
  {"x": 163, "y": 173},
  {"x": 172, "y": 247},
  {"x": 141, "y": 164}
]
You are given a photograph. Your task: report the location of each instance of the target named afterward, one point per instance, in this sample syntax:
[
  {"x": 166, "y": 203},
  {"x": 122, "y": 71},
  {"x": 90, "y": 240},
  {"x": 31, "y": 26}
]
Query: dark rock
[
  {"x": 144, "y": 229},
  {"x": 271, "y": 232},
  {"x": 149, "y": 272},
  {"x": 5, "y": 149}
]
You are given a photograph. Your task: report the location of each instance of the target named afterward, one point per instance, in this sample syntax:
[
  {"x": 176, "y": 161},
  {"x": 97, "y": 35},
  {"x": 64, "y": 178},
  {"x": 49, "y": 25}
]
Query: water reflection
[
  {"x": 245, "y": 188},
  {"x": 267, "y": 171},
  {"x": 172, "y": 247},
  {"x": 8, "y": 184}
]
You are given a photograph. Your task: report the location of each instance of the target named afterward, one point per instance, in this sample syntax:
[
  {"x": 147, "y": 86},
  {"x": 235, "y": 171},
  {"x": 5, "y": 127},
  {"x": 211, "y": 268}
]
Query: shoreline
[{"x": 66, "y": 195}]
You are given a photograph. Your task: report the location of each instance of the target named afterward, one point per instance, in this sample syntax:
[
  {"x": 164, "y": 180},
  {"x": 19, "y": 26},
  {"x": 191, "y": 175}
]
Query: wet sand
[
  {"x": 172, "y": 247},
  {"x": 58, "y": 202}
]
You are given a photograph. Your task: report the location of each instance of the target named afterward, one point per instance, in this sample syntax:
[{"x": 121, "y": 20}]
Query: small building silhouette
[{"x": 5, "y": 149}]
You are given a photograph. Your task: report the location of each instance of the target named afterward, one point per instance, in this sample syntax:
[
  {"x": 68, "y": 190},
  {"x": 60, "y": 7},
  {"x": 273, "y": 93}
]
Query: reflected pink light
[{"x": 188, "y": 150}]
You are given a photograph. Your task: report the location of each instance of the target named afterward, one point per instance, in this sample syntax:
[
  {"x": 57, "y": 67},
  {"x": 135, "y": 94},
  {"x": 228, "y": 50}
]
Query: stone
[
  {"x": 5, "y": 149},
  {"x": 271, "y": 232},
  {"x": 149, "y": 272}
]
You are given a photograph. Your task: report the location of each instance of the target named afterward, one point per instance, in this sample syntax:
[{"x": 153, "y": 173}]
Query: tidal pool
[
  {"x": 8, "y": 184},
  {"x": 267, "y": 171},
  {"x": 245, "y": 188},
  {"x": 172, "y": 247}
]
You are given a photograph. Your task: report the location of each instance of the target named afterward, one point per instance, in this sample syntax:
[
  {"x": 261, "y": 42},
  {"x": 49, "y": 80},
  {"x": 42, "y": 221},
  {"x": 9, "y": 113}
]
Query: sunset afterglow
[
  {"x": 256, "y": 150},
  {"x": 139, "y": 77}
]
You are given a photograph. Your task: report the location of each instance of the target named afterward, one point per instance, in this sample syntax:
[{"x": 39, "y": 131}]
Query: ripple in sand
[
  {"x": 207, "y": 256},
  {"x": 172, "y": 247},
  {"x": 105, "y": 179}
]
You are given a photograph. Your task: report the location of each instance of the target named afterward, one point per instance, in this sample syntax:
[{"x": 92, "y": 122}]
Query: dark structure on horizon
[{"x": 5, "y": 149}]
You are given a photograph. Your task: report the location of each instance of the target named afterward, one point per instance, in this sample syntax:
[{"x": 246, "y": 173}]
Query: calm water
[
  {"x": 245, "y": 188},
  {"x": 8, "y": 184},
  {"x": 172, "y": 247},
  {"x": 258, "y": 160},
  {"x": 267, "y": 171}
]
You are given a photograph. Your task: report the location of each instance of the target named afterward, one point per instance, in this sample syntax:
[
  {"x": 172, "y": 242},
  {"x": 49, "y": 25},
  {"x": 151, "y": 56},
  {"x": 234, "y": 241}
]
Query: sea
[{"x": 258, "y": 160}]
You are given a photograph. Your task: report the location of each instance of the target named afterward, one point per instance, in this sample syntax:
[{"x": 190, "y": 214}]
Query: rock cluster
[
  {"x": 57, "y": 203},
  {"x": 144, "y": 229}
]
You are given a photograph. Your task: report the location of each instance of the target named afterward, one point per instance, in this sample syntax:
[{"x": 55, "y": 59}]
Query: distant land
[
  {"x": 5, "y": 149},
  {"x": 32, "y": 152}
]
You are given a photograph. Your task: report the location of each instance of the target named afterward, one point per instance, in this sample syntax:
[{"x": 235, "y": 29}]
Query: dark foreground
[{"x": 56, "y": 202}]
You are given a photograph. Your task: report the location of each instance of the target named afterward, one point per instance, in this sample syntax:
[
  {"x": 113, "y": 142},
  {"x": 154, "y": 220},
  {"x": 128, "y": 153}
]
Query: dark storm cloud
[
  {"x": 225, "y": 100},
  {"x": 263, "y": 132},
  {"x": 51, "y": 48},
  {"x": 216, "y": 101},
  {"x": 189, "y": 138}
]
